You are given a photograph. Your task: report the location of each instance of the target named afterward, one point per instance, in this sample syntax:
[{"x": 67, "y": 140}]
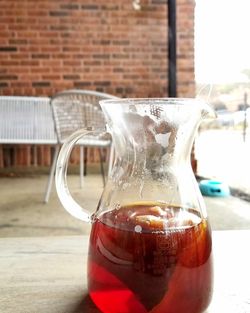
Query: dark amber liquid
[{"x": 150, "y": 258}]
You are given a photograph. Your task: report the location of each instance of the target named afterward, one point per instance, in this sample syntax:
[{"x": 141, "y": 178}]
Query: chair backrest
[{"x": 76, "y": 109}]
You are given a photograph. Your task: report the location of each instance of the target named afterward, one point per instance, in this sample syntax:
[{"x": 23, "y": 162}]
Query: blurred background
[
  {"x": 147, "y": 48},
  {"x": 222, "y": 75}
]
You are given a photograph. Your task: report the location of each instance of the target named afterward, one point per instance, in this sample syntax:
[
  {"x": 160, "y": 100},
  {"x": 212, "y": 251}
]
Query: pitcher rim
[{"x": 164, "y": 100}]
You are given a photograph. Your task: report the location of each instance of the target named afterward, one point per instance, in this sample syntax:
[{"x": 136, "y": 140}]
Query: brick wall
[{"x": 50, "y": 45}]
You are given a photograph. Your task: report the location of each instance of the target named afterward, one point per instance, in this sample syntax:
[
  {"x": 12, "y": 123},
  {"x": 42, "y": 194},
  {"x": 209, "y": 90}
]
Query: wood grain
[{"x": 48, "y": 275}]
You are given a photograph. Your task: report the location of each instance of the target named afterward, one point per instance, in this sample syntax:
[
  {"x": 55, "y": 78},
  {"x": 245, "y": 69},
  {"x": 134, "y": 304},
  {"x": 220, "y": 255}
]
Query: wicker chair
[{"x": 73, "y": 110}]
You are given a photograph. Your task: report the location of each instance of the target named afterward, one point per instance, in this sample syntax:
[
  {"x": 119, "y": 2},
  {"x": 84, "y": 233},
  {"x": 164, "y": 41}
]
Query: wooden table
[{"x": 48, "y": 275}]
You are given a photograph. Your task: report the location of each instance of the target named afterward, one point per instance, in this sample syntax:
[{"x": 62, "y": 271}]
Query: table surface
[{"x": 48, "y": 274}]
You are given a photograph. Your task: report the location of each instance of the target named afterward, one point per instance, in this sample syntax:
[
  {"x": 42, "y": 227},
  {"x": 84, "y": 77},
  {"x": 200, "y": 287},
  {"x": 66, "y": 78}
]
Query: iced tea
[{"x": 150, "y": 257}]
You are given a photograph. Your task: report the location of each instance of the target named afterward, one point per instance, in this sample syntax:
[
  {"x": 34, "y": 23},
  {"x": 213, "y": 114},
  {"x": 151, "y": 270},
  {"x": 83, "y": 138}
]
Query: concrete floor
[{"x": 23, "y": 213}]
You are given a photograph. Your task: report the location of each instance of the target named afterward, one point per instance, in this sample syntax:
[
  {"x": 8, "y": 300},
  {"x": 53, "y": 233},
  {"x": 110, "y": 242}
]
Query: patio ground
[{"x": 23, "y": 213}]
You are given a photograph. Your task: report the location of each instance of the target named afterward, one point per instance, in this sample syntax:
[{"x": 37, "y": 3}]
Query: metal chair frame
[{"x": 73, "y": 110}]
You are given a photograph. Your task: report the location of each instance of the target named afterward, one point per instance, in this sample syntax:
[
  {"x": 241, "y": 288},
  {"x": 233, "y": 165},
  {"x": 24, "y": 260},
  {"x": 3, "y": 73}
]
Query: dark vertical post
[{"x": 172, "y": 90}]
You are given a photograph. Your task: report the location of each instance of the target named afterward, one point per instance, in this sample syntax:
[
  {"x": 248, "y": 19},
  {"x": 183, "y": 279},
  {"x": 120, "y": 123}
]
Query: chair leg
[
  {"x": 85, "y": 160},
  {"x": 51, "y": 175},
  {"x": 101, "y": 165},
  {"x": 82, "y": 163}
]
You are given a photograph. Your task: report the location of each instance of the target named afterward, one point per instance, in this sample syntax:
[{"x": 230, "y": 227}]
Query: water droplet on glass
[{"x": 138, "y": 228}]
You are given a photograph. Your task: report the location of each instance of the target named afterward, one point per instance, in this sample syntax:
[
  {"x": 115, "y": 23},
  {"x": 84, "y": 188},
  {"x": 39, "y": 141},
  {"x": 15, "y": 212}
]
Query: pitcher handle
[{"x": 61, "y": 175}]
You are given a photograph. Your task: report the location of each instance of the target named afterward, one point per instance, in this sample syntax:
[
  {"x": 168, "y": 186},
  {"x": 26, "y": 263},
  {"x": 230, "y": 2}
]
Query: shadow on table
[{"x": 86, "y": 305}]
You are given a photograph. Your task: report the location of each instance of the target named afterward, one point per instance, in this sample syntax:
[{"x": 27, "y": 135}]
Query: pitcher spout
[{"x": 207, "y": 112}]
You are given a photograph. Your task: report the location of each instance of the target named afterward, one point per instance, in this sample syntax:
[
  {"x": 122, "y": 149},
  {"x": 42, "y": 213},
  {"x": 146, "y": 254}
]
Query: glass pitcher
[{"x": 150, "y": 244}]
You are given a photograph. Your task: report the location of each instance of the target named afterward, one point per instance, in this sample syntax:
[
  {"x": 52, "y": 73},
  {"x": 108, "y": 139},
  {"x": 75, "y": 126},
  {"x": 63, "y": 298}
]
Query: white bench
[{"x": 27, "y": 120}]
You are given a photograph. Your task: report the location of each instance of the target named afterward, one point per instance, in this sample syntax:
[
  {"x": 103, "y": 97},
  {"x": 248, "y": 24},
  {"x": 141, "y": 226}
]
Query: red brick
[
  {"x": 20, "y": 84},
  {"x": 51, "y": 77},
  {"x": 28, "y": 48},
  {"x": 50, "y": 45},
  {"x": 51, "y": 64},
  {"x": 40, "y": 70},
  {"x": 10, "y": 63},
  {"x": 29, "y": 63},
  {"x": 50, "y": 48}
]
